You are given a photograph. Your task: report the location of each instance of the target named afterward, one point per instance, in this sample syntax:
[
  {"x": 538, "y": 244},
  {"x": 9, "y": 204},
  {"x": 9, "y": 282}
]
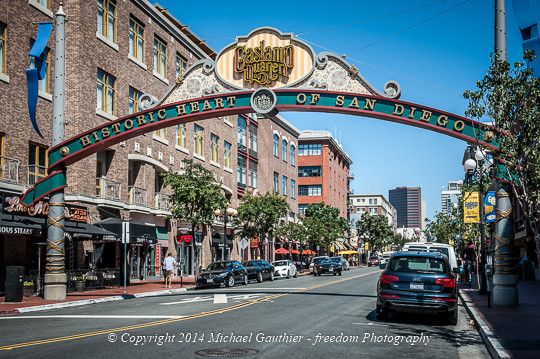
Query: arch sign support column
[{"x": 266, "y": 72}]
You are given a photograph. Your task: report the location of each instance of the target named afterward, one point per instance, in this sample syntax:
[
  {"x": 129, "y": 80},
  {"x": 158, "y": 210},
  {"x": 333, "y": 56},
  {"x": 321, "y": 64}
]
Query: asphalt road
[{"x": 306, "y": 317}]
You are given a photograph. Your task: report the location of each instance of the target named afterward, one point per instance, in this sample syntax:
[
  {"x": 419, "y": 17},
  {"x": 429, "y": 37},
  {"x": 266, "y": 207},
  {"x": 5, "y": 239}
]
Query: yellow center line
[{"x": 167, "y": 321}]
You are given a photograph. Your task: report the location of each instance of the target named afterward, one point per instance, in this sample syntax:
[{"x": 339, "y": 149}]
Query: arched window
[
  {"x": 276, "y": 145},
  {"x": 284, "y": 151}
]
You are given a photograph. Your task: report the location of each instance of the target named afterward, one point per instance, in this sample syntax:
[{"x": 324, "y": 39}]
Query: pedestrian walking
[{"x": 169, "y": 264}]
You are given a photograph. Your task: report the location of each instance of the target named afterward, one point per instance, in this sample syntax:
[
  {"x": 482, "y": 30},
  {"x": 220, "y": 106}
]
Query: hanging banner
[
  {"x": 471, "y": 209},
  {"x": 490, "y": 207}
]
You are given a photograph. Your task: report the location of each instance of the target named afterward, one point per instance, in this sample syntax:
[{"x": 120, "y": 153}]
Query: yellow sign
[{"x": 471, "y": 208}]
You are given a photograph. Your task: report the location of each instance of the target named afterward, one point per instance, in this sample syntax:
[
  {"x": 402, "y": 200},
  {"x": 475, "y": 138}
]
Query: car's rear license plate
[
  {"x": 209, "y": 281},
  {"x": 417, "y": 286},
  {"x": 331, "y": 269}
]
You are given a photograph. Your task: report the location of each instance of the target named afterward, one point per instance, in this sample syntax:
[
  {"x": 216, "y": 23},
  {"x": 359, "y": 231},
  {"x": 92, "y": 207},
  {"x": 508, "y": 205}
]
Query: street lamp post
[
  {"x": 228, "y": 212},
  {"x": 479, "y": 167}
]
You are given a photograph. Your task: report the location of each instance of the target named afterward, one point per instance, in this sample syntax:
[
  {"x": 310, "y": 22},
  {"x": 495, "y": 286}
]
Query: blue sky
[{"x": 440, "y": 50}]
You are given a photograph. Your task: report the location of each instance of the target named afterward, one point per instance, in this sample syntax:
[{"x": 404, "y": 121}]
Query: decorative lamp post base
[
  {"x": 55, "y": 286},
  {"x": 505, "y": 291}
]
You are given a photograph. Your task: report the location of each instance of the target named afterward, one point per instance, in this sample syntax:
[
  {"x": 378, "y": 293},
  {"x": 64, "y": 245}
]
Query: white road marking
[
  {"x": 220, "y": 298},
  {"x": 244, "y": 289},
  {"x": 99, "y": 316},
  {"x": 208, "y": 298},
  {"x": 372, "y": 324}
]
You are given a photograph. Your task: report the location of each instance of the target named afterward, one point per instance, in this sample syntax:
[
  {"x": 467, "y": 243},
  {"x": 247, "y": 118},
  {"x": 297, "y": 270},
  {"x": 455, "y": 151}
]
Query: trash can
[{"x": 14, "y": 283}]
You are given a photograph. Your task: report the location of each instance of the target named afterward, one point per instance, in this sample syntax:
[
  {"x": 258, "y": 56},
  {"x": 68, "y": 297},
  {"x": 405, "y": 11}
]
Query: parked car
[
  {"x": 446, "y": 249},
  {"x": 225, "y": 272},
  {"x": 374, "y": 261},
  {"x": 417, "y": 282},
  {"x": 326, "y": 265},
  {"x": 344, "y": 263},
  {"x": 312, "y": 264},
  {"x": 259, "y": 269},
  {"x": 386, "y": 257},
  {"x": 285, "y": 268}
]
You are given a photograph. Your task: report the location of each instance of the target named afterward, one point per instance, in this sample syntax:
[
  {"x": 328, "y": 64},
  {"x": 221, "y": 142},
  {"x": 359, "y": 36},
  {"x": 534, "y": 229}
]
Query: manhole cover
[{"x": 226, "y": 352}]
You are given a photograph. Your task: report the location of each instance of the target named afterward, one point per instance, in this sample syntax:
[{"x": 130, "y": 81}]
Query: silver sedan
[{"x": 284, "y": 268}]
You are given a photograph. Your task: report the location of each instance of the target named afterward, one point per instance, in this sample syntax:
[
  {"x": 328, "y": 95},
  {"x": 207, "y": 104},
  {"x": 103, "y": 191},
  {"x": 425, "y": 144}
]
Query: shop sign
[
  {"x": 490, "y": 207},
  {"x": 157, "y": 264},
  {"x": 471, "y": 209},
  {"x": 19, "y": 230},
  {"x": 254, "y": 242},
  {"x": 184, "y": 238},
  {"x": 13, "y": 205}
]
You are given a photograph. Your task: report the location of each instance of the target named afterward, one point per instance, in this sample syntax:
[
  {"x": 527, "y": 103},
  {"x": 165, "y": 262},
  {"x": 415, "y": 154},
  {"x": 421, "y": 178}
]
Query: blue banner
[
  {"x": 489, "y": 209},
  {"x": 38, "y": 73}
]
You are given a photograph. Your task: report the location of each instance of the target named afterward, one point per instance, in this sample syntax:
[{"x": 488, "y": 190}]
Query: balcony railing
[
  {"x": 9, "y": 169},
  {"x": 36, "y": 173},
  {"x": 162, "y": 201},
  {"x": 108, "y": 188},
  {"x": 137, "y": 195}
]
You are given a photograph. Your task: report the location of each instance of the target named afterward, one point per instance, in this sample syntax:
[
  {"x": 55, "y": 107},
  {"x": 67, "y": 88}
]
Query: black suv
[
  {"x": 225, "y": 272},
  {"x": 325, "y": 265},
  {"x": 417, "y": 282}
]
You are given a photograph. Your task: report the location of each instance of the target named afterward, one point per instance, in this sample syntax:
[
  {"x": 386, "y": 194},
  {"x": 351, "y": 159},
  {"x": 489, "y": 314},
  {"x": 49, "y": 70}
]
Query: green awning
[{"x": 161, "y": 232}]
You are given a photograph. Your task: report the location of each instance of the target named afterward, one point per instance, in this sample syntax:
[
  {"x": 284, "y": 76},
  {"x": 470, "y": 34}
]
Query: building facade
[
  {"x": 408, "y": 203},
  {"x": 374, "y": 204},
  {"x": 323, "y": 171},
  {"x": 450, "y": 196}
]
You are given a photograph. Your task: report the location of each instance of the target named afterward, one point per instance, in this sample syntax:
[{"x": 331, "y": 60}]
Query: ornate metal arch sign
[{"x": 264, "y": 72}]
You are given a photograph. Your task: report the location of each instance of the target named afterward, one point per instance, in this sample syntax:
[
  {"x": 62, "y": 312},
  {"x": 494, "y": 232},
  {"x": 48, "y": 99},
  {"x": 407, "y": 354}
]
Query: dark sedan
[
  {"x": 326, "y": 265},
  {"x": 420, "y": 282},
  {"x": 225, "y": 272},
  {"x": 259, "y": 269}
]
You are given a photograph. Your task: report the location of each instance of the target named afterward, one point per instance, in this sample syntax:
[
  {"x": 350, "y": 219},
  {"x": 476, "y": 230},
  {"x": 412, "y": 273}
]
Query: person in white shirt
[{"x": 170, "y": 264}]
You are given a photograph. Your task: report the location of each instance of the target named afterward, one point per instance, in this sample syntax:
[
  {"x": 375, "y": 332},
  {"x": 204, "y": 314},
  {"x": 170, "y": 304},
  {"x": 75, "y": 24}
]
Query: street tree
[
  {"x": 445, "y": 227},
  {"x": 293, "y": 231},
  {"x": 195, "y": 196},
  {"x": 325, "y": 223},
  {"x": 509, "y": 96},
  {"x": 374, "y": 228},
  {"x": 258, "y": 216}
]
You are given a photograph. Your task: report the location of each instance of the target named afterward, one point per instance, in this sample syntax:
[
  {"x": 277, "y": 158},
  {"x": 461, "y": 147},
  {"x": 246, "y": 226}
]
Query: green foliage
[
  {"x": 257, "y": 215},
  {"x": 293, "y": 231},
  {"x": 28, "y": 283},
  {"x": 509, "y": 96},
  {"x": 195, "y": 196},
  {"x": 79, "y": 279},
  {"x": 324, "y": 224},
  {"x": 375, "y": 229},
  {"x": 445, "y": 227}
]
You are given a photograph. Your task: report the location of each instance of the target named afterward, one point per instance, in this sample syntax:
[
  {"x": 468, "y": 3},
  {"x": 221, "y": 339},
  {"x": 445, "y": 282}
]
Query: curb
[
  {"x": 77, "y": 303},
  {"x": 493, "y": 346}
]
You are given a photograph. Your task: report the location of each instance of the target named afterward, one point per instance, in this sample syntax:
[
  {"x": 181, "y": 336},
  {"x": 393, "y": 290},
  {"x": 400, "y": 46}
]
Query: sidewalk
[
  {"x": 508, "y": 332},
  {"x": 135, "y": 290}
]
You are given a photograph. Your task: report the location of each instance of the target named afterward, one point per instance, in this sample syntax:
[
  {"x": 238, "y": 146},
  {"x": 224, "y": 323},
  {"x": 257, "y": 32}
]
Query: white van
[
  {"x": 434, "y": 247},
  {"x": 386, "y": 256}
]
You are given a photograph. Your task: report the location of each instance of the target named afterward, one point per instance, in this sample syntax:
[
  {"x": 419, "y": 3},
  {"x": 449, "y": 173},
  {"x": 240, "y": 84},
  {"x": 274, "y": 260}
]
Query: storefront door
[
  {"x": 152, "y": 262},
  {"x": 187, "y": 259}
]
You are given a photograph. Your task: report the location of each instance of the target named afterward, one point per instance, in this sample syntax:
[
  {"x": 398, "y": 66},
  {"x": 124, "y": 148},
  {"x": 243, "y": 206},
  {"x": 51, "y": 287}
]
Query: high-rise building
[
  {"x": 450, "y": 196},
  {"x": 408, "y": 203},
  {"x": 323, "y": 171}
]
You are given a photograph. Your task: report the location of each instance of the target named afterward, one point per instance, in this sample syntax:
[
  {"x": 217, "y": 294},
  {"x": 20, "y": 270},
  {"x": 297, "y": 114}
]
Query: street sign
[{"x": 243, "y": 243}]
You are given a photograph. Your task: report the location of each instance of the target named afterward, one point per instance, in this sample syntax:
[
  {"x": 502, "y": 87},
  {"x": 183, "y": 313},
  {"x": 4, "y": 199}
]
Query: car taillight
[
  {"x": 446, "y": 282},
  {"x": 389, "y": 278},
  {"x": 390, "y": 296}
]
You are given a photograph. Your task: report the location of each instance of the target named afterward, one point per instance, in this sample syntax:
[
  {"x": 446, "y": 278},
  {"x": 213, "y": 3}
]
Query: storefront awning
[
  {"x": 79, "y": 230},
  {"x": 14, "y": 225},
  {"x": 161, "y": 232},
  {"x": 139, "y": 233},
  {"x": 337, "y": 245}
]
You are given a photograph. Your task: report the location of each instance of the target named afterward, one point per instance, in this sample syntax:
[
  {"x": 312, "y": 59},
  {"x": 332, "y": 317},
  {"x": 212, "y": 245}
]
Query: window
[
  {"x": 106, "y": 19},
  {"x": 241, "y": 173},
  {"x": 226, "y": 154},
  {"x": 136, "y": 39},
  {"x": 302, "y": 209},
  {"x": 284, "y": 185},
  {"x": 162, "y": 132},
  {"x": 99, "y": 175},
  {"x": 214, "y": 147},
  {"x": 310, "y": 190},
  {"x": 276, "y": 182},
  {"x": 106, "y": 88},
  {"x": 284, "y": 150},
  {"x": 253, "y": 134},
  {"x": 160, "y": 57},
  {"x": 181, "y": 135},
  {"x": 375, "y": 201},
  {"x": 134, "y": 96},
  {"x": 198, "y": 140},
  {"x": 227, "y": 119},
  {"x": 181, "y": 65},
  {"x": 276, "y": 145},
  {"x": 293, "y": 150},
  {"x": 253, "y": 174},
  {"x": 44, "y": 3},
  {"x": 37, "y": 163},
  {"x": 43, "y": 84},
  {"x": 293, "y": 188},
  {"x": 2, "y": 48},
  {"x": 310, "y": 150},
  {"x": 242, "y": 142},
  {"x": 310, "y": 171},
  {"x": 2, "y": 174}
]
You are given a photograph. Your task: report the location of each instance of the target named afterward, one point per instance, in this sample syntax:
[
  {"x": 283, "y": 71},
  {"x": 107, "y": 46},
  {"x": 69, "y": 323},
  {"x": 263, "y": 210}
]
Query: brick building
[{"x": 323, "y": 171}]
